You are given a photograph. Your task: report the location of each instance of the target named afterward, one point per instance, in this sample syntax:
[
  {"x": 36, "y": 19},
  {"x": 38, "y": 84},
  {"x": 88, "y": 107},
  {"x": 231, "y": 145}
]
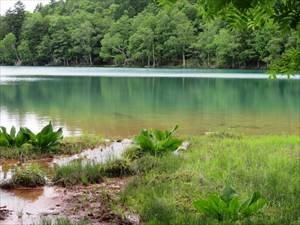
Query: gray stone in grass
[{"x": 183, "y": 147}]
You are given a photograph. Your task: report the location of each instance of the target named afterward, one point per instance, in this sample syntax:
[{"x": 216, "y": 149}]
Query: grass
[
  {"x": 70, "y": 145},
  {"x": 81, "y": 172},
  {"x": 165, "y": 189},
  {"x": 60, "y": 221},
  {"x": 30, "y": 175},
  {"x": 77, "y": 172}
]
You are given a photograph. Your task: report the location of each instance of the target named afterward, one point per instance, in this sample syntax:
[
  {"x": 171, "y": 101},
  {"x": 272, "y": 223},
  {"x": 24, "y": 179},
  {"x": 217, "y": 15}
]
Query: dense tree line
[{"x": 143, "y": 33}]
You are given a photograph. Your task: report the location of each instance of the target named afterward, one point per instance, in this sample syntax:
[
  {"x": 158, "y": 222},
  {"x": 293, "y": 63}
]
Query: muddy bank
[
  {"x": 94, "y": 204},
  {"x": 26, "y": 206}
]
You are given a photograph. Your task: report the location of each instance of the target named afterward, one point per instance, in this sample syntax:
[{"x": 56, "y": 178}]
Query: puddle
[
  {"x": 6, "y": 170},
  {"x": 98, "y": 155},
  {"x": 28, "y": 205}
]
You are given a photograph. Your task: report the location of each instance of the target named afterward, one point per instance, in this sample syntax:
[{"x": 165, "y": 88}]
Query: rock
[
  {"x": 183, "y": 147},
  {"x": 133, "y": 218}
]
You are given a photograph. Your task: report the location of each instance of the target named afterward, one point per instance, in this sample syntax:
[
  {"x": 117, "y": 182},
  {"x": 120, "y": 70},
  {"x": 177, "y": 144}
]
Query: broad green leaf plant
[
  {"x": 12, "y": 139},
  {"x": 229, "y": 207},
  {"x": 46, "y": 139},
  {"x": 157, "y": 142}
]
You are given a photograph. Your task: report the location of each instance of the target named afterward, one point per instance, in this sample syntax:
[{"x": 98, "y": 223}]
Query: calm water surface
[{"x": 117, "y": 103}]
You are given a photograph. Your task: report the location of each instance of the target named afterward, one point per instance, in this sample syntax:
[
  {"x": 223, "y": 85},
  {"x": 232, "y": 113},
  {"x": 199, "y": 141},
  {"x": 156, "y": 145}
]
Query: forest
[{"x": 149, "y": 33}]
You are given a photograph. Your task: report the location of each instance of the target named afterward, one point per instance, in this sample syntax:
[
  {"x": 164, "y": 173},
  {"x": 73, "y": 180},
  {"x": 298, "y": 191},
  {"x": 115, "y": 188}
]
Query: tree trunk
[
  {"x": 16, "y": 52},
  {"x": 208, "y": 59},
  {"x": 153, "y": 55},
  {"x": 90, "y": 58},
  {"x": 183, "y": 59},
  {"x": 148, "y": 61}
]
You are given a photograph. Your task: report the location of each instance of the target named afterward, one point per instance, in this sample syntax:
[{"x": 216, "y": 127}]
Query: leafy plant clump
[
  {"x": 12, "y": 139},
  {"x": 30, "y": 175},
  {"x": 229, "y": 207},
  {"x": 46, "y": 139},
  {"x": 157, "y": 142}
]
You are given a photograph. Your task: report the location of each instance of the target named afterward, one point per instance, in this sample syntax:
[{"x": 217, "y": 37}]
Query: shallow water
[
  {"x": 117, "y": 102},
  {"x": 97, "y": 155},
  {"x": 28, "y": 205}
]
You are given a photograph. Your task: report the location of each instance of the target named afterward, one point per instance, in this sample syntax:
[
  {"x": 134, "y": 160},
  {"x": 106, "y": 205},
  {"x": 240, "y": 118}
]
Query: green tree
[
  {"x": 144, "y": 51},
  {"x": 35, "y": 27},
  {"x": 8, "y": 49},
  {"x": 15, "y": 18},
  {"x": 3, "y": 27},
  {"x": 204, "y": 46},
  {"x": 60, "y": 39},
  {"x": 25, "y": 53},
  {"x": 227, "y": 46},
  {"x": 116, "y": 40},
  {"x": 182, "y": 36}
]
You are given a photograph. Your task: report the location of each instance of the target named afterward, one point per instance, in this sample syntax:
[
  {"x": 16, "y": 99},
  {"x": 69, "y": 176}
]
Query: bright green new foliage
[
  {"x": 229, "y": 207},
  {"x": 12, "y": 139},
  {"x": 47, "y": 138},
  {"x": 157, "y": 142}
]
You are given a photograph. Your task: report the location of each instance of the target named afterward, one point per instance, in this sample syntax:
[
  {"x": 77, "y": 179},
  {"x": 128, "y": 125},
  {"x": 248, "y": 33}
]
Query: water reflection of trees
[{"x": 147, "y": 95}]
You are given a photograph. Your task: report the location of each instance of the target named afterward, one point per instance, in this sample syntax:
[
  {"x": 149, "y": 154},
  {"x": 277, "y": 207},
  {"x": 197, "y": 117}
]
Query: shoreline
[{"x": 134, "y": 72}]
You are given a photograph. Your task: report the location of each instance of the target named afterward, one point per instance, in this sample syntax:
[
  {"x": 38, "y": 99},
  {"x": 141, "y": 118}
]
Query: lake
[{"x": 119, "y": 102}]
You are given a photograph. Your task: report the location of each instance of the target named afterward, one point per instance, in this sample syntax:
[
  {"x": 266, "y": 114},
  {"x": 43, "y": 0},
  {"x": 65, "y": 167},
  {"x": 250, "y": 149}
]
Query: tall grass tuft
[
  {"x": 30, "y": 175},
  {"x": 82, "y": 172}
]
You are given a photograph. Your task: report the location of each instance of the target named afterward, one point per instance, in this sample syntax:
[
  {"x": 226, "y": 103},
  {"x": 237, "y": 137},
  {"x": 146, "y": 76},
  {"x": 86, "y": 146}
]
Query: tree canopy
[{"x": 189, "y": 33}]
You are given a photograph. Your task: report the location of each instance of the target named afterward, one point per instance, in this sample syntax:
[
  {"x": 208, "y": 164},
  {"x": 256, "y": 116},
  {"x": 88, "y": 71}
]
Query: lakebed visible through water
[{"x": 117, "y": 102}]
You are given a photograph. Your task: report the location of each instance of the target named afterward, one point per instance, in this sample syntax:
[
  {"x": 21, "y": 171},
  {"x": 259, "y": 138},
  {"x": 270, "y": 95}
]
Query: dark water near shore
[{"x": 121, "y": 106}]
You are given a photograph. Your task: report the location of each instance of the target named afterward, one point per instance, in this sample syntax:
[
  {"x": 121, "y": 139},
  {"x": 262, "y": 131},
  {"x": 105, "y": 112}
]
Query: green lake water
[{"x": 118, "y": 103}]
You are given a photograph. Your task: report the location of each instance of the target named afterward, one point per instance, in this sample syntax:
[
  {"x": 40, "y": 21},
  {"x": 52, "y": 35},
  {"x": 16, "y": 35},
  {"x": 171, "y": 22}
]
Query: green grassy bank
[{"x": 164, "y": 190}]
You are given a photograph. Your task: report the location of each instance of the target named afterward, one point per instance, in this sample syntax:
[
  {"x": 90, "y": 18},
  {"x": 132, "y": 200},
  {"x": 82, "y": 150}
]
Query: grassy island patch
[{"x": 30, "y": 176}]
